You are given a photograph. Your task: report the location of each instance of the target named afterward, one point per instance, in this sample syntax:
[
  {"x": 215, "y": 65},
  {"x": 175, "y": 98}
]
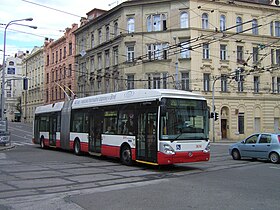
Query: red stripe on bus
[
  {"x": 111, "y": 151},
  {"x": 182, "y": 157}
]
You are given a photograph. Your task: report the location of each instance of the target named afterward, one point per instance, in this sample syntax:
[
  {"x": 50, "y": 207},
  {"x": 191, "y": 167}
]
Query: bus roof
[
  {"x": 56, "y": 107},
  {"x": 122, "y": 97},
  {"x": 132, "y": 96}
]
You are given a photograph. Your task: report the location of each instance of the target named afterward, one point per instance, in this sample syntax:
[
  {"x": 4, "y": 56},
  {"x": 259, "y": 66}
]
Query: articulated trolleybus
[{"x": 152, "y": 126}]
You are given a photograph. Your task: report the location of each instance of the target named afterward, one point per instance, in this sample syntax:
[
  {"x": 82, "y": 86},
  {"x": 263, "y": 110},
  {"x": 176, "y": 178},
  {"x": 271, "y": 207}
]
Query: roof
[{"x": 131, "y": 96}]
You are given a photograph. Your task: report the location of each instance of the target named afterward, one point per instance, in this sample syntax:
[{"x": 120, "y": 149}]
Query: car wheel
[
  {"x": 274, "y": 157},
  {"x": 77, "y": 147},
  {"x": 235, "y": 154},
  {"x": 126, "y": 158}
]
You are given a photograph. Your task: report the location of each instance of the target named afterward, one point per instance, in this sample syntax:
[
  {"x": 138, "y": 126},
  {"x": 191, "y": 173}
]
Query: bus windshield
[{"x": 183, "y": 119}]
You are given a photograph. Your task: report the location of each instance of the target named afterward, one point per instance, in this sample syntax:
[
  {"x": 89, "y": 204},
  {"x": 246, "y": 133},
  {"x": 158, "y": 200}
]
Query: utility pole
[{"x": 213, "y": 105}]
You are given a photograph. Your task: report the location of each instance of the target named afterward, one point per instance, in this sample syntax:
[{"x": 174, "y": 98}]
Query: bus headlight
[
  {"x": 207, "y": 148},
  {"x": 167, "y": 149}
]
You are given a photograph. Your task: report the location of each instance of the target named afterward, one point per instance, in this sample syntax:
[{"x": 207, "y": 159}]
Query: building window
[
  {"x": 224, "y": 83},
  {"x": 272, "y": 56},
  {"x": 130, "y": 53},
  {"x": 255, "y": 55},
  {"x": 185, "y": 81},
  {"x": 185, "y": 50},
  {"x": 99, "y": 36},
  {"x": 271, "y": 29},
  {"x": 277, "y": 28},
  {"x": 241, "y": 123},
  {"x": 239, "y": 25},
  {"x": 205, "y": 21},
  {"x": 275, "y": 84},
  {"x": 48, "y": 78},
  {"x": 48, "y": 60},
  {"x": 240, "y": 84},
  {"x": 206, "y": 82},
  {"x": 255, "y": 28},
  {"x": 60, "y": 54},
  {"x": 56, "y": 56},
  {"x": 116, "y": 56},
  {"x": 116, "y": 29},
  {"x": 92, "y": 40},
  {"x": 240, "y": 58},
  {"x": 157, "y": 51},
  {"x": 52, "y": 57},
  {"x": 278, "y": 84},
  {"x": 64, "y": 72},
  {"x": 256, "y": 84},
  {"x": 222, "y": 23},
  {"x": 205, "y": 51},
  {"x": 278, "y": 56},
  {"x": 156, "y": 22},
  {"x": 70, "y": 49},
  {"x": 99, "y": 60},
  {"x": 64, "y": 52},
  {"x": 223, "y": 52},
  {"x": 130, "y": 82},
  {"x": 107, "y": 59},
  {"x": 130, "y": 25},
  {"x": 184, "y": 20},
  {"x": 107, "y": 33},
  {"x": 92, "y": 67},
  {"x": 70, "y": 70}
]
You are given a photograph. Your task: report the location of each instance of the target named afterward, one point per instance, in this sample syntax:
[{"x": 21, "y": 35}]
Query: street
[{"x": 33, "y": 178}]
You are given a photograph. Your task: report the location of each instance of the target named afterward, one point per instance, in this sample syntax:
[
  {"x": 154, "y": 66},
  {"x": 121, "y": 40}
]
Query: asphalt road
[{"x": 32, "y": 178}]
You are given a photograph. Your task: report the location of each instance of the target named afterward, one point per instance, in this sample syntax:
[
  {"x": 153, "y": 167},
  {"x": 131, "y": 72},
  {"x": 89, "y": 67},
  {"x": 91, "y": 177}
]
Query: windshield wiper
[{"x": 180, "y": 134}]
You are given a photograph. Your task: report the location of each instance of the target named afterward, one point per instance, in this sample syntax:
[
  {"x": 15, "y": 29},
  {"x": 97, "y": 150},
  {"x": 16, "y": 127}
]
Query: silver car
[{"x": 259, "y": 145}]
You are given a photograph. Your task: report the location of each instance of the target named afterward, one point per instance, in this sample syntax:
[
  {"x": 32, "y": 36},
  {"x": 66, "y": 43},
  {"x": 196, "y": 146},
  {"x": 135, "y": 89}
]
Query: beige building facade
[
  {"x": 33, "y": 68},
  {"x": 229, "y": 49}
]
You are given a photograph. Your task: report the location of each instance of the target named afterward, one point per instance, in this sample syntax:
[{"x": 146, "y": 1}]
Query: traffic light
[
  {"x": 216, "y": 117},
  {"x": 25, "y": 83}
]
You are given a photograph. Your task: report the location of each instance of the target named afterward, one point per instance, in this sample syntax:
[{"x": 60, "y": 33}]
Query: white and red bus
[{"x": 152, "y": 126}]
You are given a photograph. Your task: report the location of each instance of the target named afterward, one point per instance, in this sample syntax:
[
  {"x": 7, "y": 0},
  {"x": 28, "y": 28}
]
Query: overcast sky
[{"x": 50, "y": 23}]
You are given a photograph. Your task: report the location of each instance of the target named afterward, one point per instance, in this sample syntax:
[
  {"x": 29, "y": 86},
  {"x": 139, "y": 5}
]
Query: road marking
[
  {"x": 2, "y": 156},
  {"x": 274, "y": 167}
]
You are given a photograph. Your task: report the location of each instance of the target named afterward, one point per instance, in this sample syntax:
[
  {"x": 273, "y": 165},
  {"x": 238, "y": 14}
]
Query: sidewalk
[{"x": 6, "y": 147}]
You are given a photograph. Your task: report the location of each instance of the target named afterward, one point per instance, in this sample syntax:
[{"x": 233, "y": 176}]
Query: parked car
[{"x": 259, "y": 146}]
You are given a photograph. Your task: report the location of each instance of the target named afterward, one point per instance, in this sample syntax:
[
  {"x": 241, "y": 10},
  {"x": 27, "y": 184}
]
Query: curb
[{"x": 3, "y": 148}]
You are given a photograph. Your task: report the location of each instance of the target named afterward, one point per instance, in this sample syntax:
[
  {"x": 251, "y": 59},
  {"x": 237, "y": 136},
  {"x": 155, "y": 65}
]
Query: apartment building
[
  {"x": 226, "y": 49},
  {"x": 60, "y": 68},
  {"x": 33, "y": 68},
  {"x": 13, "y": 86}
]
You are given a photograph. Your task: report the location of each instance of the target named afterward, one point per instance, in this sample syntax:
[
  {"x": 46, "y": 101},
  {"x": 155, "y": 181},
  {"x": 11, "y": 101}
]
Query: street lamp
[{"x": 3, "y": 65}]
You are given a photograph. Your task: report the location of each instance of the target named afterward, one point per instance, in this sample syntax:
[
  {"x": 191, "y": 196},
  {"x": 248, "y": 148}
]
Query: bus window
[
  {"x": 80, "y": 122},
  {"x": 110, "y": 122},
  {"x": 126, "y": 123},
  {"x": 44, "y": 124}
]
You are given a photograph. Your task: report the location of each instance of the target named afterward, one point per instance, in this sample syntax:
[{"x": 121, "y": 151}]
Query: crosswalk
[{"x": 17, "y": 143}]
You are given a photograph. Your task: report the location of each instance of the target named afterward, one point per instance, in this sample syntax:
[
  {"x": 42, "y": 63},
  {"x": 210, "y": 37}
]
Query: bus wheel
[
  {"x": 42, "y": 143},
  {"x": 126, "y": 158},
  {"x": 77, "y": 147}
]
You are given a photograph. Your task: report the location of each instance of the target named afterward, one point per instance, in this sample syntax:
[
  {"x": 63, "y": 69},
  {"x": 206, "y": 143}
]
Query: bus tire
[
  {"x": 42, "y": 143},
  {"x": 77, "y": 147},
  {"x": 126, "y": 157}
]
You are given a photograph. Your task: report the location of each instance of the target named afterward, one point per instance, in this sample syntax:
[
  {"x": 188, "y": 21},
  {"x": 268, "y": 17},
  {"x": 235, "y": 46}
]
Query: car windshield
[{"x": 183, "y": 119}]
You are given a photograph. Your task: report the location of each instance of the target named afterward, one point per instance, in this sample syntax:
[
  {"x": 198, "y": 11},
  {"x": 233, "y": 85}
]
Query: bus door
[
  {"x": 146, "y": 143},
  {"x": 53, "y": 126},
  {"x": 95, "y": 131}
]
